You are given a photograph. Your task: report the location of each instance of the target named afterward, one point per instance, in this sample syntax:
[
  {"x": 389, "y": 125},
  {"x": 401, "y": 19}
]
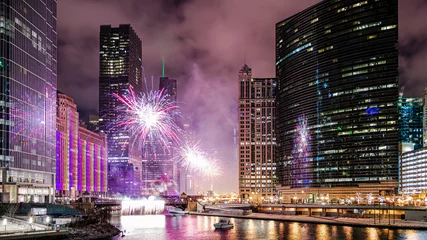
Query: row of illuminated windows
[
  {"x": 366, "y": 131},
  {"x": 293, "y": 52},
  {"x": 354, "y": 73},
  {"x": 256, "y": 181},
  {"x": 265, "y": 166},
  {"x": 352, "y": 6},
  {"x": 258, "y": 143},
  {"x": 325, "y": 49},
  {"x": 256, "y": 101},
  {"x": 354, "y": 109},
  {"x": 257, "y": 176},
  {"x": 358, "y": 90},
  {"x": 371, "y": 64},
  {"x": 413, "y": 176},
  {"x": 414, "y": 167},
  {"x": 418, "y": 182},
  {"x": 361, "y": 27}
]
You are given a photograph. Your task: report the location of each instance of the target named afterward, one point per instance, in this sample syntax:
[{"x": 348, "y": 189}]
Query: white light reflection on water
[
  {"x": 159, "y": 227},
  {"x": 142, "y": 207},
  {"x": 348, "y": 232},
  {"x": 322, "y": 231}
]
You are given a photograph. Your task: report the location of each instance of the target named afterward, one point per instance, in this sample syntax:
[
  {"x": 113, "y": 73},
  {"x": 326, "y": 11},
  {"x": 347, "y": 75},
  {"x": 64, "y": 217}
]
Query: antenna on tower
[
  {"x": 163, "y": 67},
  {"x": 244, "y": 58}
]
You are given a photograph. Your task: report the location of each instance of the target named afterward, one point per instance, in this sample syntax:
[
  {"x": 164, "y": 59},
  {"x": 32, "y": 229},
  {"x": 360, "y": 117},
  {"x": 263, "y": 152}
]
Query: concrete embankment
[
  {"x": 357, "y": 222},
  {"x": 92, "y": 231},
  {"x": 36, "y": 235}
]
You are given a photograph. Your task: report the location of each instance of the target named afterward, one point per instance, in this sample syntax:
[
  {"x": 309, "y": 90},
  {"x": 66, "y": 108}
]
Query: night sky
[{"x": 204, "y": 44}]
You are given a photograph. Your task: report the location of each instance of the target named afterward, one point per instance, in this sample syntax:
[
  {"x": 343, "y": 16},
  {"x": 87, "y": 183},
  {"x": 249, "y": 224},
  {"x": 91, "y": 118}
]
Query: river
[{"x": 159, "y": 227}]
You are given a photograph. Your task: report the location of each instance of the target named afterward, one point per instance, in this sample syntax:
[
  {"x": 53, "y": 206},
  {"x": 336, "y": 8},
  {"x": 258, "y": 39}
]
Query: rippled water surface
[{"x": 201, "y": 227}]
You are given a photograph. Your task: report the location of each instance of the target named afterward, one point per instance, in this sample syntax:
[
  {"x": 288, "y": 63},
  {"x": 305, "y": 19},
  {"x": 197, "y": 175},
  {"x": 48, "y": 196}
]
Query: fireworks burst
[
  {"x": 151, "y": 115},
  {"x": 193, "y": 158},
  {"x": 302, "y": 140}
]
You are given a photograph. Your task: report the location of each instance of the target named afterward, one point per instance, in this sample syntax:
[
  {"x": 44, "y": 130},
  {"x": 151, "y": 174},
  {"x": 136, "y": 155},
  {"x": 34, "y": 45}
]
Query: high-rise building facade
[
  {"x": 120, "y": 69},
  {"x": 67, "y": 139},
  {"x": 257, "y": 113},
  {"x": 412, "y": 178},
  {"x": 410, "y": 123},
  {"x": 81, "y": 155},
  {"x": 424, "y": 103},
  {"x": 28, "y": 71},
  {"x": 160, "y": 173},
  {"x": 337, "y": 120}
]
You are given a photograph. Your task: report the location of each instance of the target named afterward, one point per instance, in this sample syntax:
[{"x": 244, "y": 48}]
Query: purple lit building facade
[
  {"x": 120, "y": 59},
  {"x": 28, "y": 99},
  {"x": 81, "y": 155}
]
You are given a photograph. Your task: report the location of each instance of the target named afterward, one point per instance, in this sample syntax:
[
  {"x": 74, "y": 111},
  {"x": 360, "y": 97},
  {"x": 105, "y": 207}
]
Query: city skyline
[{"x": 214, "y": 58}]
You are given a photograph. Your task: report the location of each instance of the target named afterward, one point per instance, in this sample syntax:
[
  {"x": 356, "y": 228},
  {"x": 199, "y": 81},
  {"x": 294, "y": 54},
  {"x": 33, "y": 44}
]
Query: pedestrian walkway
[{"x": 363, "y": 222}]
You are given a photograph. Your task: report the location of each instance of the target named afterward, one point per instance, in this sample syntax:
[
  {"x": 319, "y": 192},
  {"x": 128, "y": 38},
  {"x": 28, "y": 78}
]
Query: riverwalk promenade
[{"x": 361, "y": 222}]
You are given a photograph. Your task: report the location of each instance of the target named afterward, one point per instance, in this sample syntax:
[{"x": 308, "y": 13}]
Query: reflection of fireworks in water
[
  {"x": 194, "y": 159},
  {"x": 142, "y": 206},
  {"x": 302, "y": 140},
  {"x": 152, "y": 115}
]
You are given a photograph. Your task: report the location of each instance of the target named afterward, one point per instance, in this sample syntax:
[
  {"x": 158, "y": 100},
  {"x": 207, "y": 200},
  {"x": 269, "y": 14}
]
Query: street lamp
[{"x": 5, "y": 223}]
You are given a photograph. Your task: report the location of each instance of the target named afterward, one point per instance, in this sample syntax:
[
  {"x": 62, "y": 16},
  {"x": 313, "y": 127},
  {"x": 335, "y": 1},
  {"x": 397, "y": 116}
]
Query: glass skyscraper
[
  {"x": 120, "y": 69},
  {"x": 411, "y": 121},
  {"x": 337, "y": 73},
  {"x": 28, "y": 72}
]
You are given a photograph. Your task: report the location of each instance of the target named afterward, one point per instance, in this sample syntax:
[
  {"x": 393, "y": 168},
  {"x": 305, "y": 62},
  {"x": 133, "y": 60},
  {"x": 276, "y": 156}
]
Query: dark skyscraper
[
  {"x": 170, "y": 88},
  {"x": 337, "y": 73},
  {"x": 28, "y": 99},
  {"x": 120, "y": 69}
]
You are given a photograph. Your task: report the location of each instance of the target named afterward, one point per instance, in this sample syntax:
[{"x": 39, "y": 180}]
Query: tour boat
[
  {"x": 223, "y": 223},
  {"x": 178, "y": 211}
]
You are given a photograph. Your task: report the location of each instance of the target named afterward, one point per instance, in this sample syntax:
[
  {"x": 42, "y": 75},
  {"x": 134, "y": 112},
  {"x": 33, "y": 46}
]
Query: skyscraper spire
[{"x": 163, "y": 67}]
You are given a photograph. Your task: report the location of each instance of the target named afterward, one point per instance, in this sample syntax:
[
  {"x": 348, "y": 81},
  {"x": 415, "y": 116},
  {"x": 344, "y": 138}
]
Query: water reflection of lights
[
  {"x": 136, "y": 222},
  {"x": 372, "y": 233},
  {"x": 294, "y": 230},
  {"x": 142, "y": 207},
  {"x": 272, "y": 230},
  {"x": 334, "y": 232},
  {"x": 322, "y": 232},
  {"x": 251, "y": 230},
  {"x": 281, "y": 229},
  {"x": 348, "y": 232}
]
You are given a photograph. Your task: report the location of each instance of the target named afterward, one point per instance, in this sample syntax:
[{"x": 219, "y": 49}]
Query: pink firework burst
[{"x": 151, "y": 115}]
